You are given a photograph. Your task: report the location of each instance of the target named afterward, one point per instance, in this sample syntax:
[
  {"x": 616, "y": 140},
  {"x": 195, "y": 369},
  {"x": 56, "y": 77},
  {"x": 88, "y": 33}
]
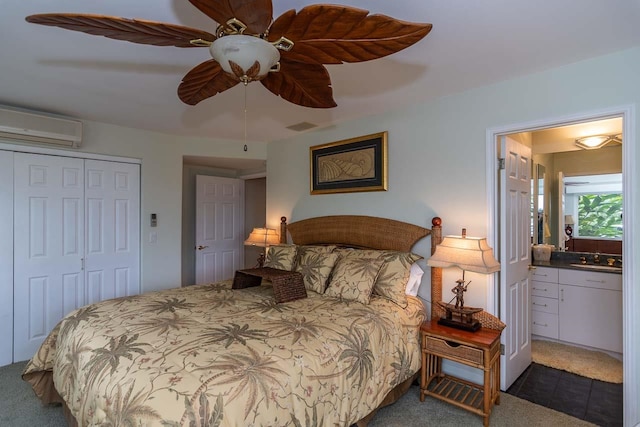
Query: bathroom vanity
[{"x": 578, "y": 303}]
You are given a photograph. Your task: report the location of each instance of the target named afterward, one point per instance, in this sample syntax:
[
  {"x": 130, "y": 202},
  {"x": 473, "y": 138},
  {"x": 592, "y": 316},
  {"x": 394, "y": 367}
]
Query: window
[{"x": 595, "y": 201}]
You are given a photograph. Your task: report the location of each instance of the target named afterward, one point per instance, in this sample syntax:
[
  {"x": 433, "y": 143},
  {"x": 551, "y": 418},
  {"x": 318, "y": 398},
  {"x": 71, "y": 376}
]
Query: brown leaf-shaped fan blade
[
  {"x": 328, "y": 34},
  {"x": 131, "y": 30},
  {"x": 255, "y": 14},
  {"x": 308, "y": 85},
  {"x": 204, "y": 81}
]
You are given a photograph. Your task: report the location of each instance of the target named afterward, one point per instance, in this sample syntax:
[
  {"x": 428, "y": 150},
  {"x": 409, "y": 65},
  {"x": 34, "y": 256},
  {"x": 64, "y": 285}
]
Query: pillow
[
  {"x": 394, "y": 275},
  {"x": 282, "y": 257},
  {"x": 316, "y": 267},
  {"x": 353, "y": 279},
  {"x": 415, "y": 278},
  {"x": 311, "y": 249},
  {"x": 357, "y": 253}
]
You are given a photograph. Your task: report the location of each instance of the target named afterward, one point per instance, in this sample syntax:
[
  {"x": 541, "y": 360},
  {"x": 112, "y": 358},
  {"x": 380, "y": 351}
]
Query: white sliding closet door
[
  {"x": 6, "y": 257},
  {"x": 76, "y": 240},
  {"x": 48, "y": 246},
  {"x": 112, "y": 200}
]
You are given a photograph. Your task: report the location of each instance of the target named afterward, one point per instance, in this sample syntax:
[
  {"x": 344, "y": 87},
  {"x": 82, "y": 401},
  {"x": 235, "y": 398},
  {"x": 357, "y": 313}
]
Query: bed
[{"x": 212, "y": 355}]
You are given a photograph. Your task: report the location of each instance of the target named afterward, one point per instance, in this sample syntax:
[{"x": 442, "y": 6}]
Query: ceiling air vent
[{"x": 299, "y": 127}]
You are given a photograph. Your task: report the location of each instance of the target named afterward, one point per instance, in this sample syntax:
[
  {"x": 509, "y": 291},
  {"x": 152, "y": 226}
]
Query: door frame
[{"x": 631, "y": 345}]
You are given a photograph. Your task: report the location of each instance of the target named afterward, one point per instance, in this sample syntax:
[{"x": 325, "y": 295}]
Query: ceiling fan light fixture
[
  {"x": 238, "y": 55},
  {"x": 597, "y": 141}
]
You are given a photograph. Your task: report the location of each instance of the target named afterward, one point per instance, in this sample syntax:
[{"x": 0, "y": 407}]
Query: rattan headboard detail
[{"x": 361, "y": 231}]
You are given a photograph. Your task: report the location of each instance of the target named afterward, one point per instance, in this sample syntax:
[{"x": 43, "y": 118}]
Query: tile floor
[{"x": 594, "y": 401}]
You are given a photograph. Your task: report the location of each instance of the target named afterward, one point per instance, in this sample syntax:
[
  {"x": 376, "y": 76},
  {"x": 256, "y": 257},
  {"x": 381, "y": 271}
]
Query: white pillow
[{"x": 415, "y": 278}]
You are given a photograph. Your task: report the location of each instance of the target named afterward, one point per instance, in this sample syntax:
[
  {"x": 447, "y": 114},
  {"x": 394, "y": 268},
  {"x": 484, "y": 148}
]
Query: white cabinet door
[
  {"x": 112, "y": 200},
  {"x": 48, "y": 246},
  {"x": 591, "y": 317}
]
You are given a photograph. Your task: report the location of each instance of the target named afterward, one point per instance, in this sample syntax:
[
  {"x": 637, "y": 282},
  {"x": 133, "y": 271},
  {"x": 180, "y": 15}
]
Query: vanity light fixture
[{"x": 597, "y": 141}]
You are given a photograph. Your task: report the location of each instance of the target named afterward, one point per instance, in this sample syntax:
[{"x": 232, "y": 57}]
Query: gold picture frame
[{"x": 350, "y": 165}]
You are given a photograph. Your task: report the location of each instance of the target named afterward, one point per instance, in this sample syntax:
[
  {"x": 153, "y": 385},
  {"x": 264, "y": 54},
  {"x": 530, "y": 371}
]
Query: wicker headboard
[{"x": 361, "y": 231}]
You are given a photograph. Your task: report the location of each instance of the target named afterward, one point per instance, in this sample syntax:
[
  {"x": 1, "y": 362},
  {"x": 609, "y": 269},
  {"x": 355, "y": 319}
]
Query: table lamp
[
  {"x": 469, "y": 254},
  {"x": 568, "y": 222},
  {"x": 262, "y": 237}
]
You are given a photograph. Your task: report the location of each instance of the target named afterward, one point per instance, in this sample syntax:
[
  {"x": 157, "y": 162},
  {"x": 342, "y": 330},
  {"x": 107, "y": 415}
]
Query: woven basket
[
  {"x": 242, "y": 280},
  {"x": 287, "y": 285}
]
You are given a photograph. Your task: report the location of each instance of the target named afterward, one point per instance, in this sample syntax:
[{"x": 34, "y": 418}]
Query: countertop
[{"x": 571, "y": 260}]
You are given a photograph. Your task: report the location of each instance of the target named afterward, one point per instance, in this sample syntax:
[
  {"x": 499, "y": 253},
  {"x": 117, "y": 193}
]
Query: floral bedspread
[{"x": 211, "y": 356}]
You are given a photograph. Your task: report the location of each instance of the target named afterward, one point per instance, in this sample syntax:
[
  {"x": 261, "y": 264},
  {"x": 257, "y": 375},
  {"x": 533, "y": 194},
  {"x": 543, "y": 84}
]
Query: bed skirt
[{"x": 42, "y": 384}]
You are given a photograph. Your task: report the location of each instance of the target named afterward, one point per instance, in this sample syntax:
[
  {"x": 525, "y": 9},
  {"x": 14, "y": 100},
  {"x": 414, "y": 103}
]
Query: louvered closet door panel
[
  {"x": 48, "y": 246},
  {"x": 112, "y": 206}
]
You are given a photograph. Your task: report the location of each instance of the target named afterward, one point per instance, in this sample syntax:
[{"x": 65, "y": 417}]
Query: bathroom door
[{"x": 515, "y": 254}]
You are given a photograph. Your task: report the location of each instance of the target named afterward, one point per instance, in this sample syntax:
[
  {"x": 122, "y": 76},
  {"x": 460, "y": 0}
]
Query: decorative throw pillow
[
  {"x": 316, "y": 268},
  {"x": 353, "y": 279},
  {"x": 358, "y": 253},
  {"x": 305, "y": 250},
  {"x": 394, "y": 275},
  {"x": 282, "y": 257}
]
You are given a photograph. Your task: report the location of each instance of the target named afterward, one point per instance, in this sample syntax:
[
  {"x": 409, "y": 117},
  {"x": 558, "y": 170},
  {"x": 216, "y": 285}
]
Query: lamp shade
[
  {"x": 244, "y": 52},
  {"x": 468, "y": 253},
  {"x": 262, "y": 237},
  {"x": 568, "y": 220}
]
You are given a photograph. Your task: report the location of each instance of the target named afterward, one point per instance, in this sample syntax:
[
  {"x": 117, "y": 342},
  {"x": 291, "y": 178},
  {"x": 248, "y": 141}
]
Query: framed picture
[{"x": 356, "y": 164}]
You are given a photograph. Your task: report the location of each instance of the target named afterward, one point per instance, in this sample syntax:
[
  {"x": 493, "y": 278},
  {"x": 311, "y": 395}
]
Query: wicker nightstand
[{"x": 479, "y": 349}]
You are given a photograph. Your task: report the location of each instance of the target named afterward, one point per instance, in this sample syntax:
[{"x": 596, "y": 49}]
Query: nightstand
[{"x": 479, "y": 349}]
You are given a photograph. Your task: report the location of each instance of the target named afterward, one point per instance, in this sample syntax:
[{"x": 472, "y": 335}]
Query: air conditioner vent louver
[{"x": 40, "y": 128}]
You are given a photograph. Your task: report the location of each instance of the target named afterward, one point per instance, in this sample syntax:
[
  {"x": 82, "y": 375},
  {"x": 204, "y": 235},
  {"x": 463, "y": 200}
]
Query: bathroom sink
[{"x": 597, "y": 267}]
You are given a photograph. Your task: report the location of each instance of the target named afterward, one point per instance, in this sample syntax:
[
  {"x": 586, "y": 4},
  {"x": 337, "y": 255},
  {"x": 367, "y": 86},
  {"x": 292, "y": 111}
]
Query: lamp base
[
  {"x": 472, "y": 327},
  {"x": 460, "y": 317}
]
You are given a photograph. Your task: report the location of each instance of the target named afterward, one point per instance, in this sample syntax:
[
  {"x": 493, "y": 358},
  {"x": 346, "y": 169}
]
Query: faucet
[{"x": 596, "y": 258}]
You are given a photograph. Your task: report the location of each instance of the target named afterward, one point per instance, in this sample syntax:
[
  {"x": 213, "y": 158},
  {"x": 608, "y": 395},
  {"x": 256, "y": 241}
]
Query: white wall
[
  {"x": 437, "y": 157},
  {"x": 161, "y": 192}
]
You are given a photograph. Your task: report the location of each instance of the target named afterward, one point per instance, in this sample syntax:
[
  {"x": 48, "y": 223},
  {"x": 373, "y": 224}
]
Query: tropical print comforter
[{"x": 211, "y": 356}]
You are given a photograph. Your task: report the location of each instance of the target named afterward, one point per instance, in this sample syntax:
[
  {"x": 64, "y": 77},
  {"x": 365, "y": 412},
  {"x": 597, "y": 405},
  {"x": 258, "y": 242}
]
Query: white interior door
[
  {"x": 219, "y": 227},
  {"x": 48, "y": 246},
  {"x": 112, "y": 200},
  {"x": 515, "y": 253}
]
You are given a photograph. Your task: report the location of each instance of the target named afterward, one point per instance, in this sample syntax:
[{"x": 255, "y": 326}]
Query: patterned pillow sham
[
  {"x": 315, "y": 267},
  {"x": 394, "y": 275},
  {"x": 282, "y": 257},
  {"x": 353, "y": 278},
  {"x": 392, "y": 279}
]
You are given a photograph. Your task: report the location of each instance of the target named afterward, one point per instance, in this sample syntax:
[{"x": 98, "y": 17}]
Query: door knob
[{"x": 200, "y": 247}]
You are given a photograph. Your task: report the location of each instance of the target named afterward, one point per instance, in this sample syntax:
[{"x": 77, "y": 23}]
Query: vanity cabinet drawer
[
  {"x": 547, "y": 305},
  {"x": 544, "y": 324},
  {"x": 545, "y": 274},
  {"x": 544, "y": 289},
  {"x": 453, "y": 350},
  {"x": 591, "y": 279}
]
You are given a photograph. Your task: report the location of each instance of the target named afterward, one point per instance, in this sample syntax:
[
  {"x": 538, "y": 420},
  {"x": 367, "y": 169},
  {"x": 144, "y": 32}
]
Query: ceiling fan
[{"x": 285, "y": 55}]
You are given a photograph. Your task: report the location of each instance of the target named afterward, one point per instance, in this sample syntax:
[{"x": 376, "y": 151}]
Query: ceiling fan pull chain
[{"x": 245, "y": 118}]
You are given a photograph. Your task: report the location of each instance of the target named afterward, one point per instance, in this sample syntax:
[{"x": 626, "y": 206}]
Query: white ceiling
[{"x": 472, "y": 43}]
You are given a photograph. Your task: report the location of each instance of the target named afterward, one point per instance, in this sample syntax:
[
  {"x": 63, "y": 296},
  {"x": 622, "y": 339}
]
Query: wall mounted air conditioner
[{"x": 25, "y": 126}]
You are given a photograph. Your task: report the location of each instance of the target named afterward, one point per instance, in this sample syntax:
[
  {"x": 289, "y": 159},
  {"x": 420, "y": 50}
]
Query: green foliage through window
[{"x": 600, "y": 216}]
